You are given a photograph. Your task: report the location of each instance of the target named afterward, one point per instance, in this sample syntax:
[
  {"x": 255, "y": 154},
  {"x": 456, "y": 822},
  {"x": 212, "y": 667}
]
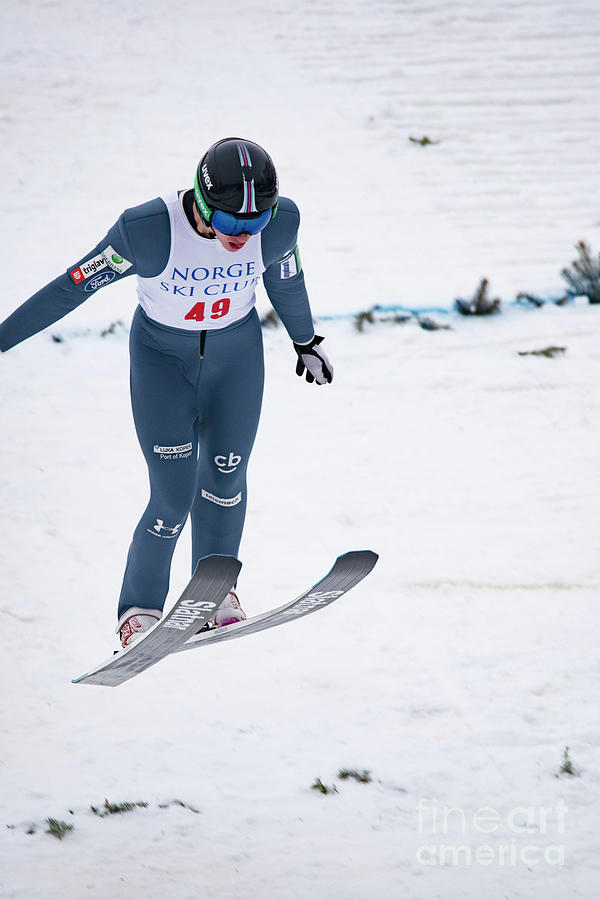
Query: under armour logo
[{"x": 160, "y": 527}]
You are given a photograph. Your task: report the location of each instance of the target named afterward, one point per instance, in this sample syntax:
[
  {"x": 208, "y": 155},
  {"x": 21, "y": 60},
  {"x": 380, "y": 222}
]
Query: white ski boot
[
  {"x": 229, "y": 611},
  {"x": 135, "y": 622}
]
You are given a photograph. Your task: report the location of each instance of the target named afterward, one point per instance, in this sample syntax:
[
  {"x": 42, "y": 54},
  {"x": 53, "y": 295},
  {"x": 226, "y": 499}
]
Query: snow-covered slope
[{"x": 467, "y": 661}]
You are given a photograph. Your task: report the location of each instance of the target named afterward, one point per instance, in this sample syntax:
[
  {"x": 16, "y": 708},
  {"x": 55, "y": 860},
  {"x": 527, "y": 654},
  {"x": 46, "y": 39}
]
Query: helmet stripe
[
  {"x": 245, "y": 159},
  {"x": 242, "y": 208},
  {"x": 249, "y": 201}
]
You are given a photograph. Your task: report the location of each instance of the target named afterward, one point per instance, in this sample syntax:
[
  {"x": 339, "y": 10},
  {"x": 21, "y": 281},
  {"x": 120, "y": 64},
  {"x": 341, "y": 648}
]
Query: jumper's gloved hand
[{"x": 314, "y": 360}]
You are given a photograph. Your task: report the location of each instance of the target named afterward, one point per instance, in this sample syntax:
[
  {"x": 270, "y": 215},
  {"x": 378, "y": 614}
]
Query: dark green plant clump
[
  {"x": 178, "y": 803},
  {"x": 363, "y": 777},
  {"x": 113, "y": 328},
  {"x": 428, "y": 324},
  {"x": 584, "y": 275},
  {"x": 323, "y": 788},
  {"x": 423, "y": 142},
  {"x": 538, "y": 302},
  {"x": 480, "y": 304},
  {"x": 364, "y": 318},
  {"x": 567, "y": 767},
  {"x": 114, "y": 808},
  {"x": 55, "y": 827},
  {"x": 549, "y": 352},
  {"x": 271, "y": 320}
]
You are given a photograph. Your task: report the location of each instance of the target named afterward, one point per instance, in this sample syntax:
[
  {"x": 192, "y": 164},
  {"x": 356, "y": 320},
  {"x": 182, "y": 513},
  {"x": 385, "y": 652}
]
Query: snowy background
[{"x": 460, "y": 670}]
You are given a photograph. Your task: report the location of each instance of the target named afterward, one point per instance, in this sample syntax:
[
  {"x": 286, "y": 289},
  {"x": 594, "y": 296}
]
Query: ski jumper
[{"x": 196, "y": 368}]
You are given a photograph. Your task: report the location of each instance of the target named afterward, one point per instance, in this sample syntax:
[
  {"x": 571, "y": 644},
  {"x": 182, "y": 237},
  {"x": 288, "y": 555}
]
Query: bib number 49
[{"x": 219, "y": 309}]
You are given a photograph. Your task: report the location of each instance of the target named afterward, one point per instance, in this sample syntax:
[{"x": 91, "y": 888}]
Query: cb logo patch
[{"x": 227, "y": 464}]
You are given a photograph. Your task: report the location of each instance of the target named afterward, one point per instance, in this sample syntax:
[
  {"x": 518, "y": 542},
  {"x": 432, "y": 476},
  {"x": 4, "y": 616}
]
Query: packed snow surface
[{"x": 462, "y": 668}]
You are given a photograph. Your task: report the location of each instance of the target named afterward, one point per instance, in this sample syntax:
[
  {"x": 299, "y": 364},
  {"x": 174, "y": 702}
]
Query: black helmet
[{"x": 237, "y": 177}]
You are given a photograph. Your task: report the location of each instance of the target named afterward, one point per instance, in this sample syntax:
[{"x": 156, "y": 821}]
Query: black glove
[{"x": 314, "y": 360}]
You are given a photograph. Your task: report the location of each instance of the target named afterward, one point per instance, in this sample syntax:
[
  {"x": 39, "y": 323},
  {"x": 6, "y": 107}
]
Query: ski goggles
[{"x": 229, "y": 224}]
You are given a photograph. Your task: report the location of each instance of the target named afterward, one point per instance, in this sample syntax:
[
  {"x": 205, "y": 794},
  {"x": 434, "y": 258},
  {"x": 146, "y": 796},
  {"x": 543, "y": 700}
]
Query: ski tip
[{"x": 361, "y": 554}]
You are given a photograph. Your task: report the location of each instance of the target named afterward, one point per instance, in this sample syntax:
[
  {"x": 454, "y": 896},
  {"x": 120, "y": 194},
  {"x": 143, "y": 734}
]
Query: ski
[
  {"x": 348, "y": 570},
  {"x": 210, "y": 584}
]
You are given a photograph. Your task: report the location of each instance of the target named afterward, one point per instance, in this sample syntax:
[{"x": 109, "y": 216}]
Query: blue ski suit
[{"x": 196, "y": 368}]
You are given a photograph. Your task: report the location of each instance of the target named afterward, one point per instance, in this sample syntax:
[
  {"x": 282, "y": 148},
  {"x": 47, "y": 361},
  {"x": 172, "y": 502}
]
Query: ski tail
[{"x": 209, "y": 585}]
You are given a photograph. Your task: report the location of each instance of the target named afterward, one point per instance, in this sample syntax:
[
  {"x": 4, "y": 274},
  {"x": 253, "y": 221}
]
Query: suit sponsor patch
[
  {"x": 88, "y": 268},
  {"x": 99, "y": 281},
  {"x": 222, "y": 501},
  {"x": 115, "y": 261},
  {"x": 290, "y": 265},
  {"x": 180, "y": 448},
  {"x": 180, "y": 451}
]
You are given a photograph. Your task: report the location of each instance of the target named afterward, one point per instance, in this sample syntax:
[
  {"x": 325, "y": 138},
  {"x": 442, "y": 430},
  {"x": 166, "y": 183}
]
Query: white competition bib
[{"x": 203, "y": 286}]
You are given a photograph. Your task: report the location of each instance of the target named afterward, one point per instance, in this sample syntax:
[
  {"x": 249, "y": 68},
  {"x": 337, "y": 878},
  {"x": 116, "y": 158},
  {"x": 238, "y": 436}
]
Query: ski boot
[
  {"x": 135, "y": 622},
  {"x": 229, "y": 612}
]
